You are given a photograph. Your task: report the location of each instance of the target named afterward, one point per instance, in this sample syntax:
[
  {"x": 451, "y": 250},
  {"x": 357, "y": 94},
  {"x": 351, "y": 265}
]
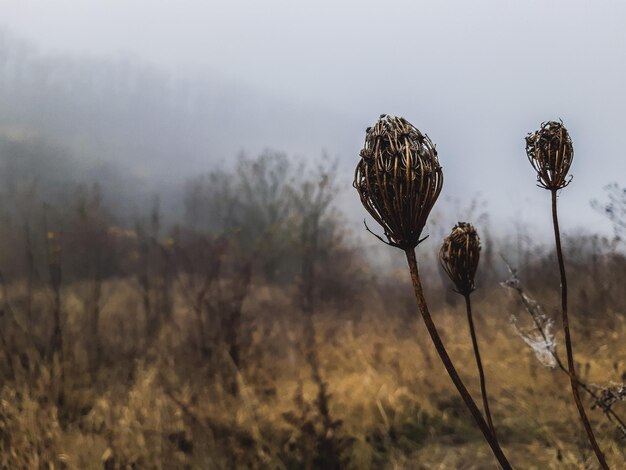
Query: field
[
  {"x": 217, "y": 253},
  {"x": 165, "y": 404},
  {"x": 260, "y": 332}
]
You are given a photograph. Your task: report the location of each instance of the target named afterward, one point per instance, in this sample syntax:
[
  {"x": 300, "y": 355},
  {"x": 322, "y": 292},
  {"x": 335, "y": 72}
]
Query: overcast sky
[{"x": 475, "y": 75}]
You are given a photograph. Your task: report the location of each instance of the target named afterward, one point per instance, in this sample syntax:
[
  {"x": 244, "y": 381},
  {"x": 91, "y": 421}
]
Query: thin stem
[
  {"x": 610, "y": 414},
  {"x": 479, "y": 364},
  {"x": 447, "y": 362},
  {"x": 568, "y": 341}
]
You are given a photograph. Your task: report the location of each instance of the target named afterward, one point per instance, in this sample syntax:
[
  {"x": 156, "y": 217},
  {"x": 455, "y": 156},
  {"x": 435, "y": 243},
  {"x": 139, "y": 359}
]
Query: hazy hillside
[{"x": 151, "y": 123}]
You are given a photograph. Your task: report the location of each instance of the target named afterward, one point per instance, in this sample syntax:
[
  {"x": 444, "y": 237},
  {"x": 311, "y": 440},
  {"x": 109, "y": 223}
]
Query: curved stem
[
  {"x": 479, "y": 364},
  {"x": 447, "y": 362},
  {"x": 610, "y": 414},
  {"x": 568, "y": 341},
  {"x": 608, "y": 411}
]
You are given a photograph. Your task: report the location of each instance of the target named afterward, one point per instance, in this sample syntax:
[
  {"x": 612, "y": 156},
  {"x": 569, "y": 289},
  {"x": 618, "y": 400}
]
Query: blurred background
[{"x": 185, "y": 276}]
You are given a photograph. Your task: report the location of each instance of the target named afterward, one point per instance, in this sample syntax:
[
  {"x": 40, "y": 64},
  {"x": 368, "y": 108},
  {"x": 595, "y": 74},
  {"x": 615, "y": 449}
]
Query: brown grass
[{"x": 397, "y": 407}]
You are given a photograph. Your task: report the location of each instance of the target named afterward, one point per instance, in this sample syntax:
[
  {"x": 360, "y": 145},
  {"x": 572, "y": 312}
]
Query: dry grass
[{"x": 168, "y": 409}]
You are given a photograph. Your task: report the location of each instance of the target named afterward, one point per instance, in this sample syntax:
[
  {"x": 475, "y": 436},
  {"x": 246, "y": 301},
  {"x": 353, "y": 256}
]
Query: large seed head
[
  {"x": 550, "y": 152},
  {"x": 398, "y": 179},
  {"x": 459, "y": 256}
]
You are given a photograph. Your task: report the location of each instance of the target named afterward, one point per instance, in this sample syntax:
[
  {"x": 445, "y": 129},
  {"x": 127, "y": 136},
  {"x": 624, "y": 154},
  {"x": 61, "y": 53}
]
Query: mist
[
  {"x": 163, "y": 93},
  {"x": 191, "y": 275}
]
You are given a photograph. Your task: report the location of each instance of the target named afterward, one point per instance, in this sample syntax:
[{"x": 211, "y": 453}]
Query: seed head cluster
[
  {"x": 550, "y": 152},
  {"x": 398, "y": 179},
  {"x": 459, "y": 256}
]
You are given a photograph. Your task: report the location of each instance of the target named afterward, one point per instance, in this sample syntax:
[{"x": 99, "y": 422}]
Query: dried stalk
[
  {"x": 568, "y": 340},
  {"x": 447, "y": 362},
  {"x": 459, "y": 255},
  {"x": 550, "y": 152},
  {"x": 398, "y": 179},
  {"x": 479, "y": 365},
  {"x": 604, "y": 401}
]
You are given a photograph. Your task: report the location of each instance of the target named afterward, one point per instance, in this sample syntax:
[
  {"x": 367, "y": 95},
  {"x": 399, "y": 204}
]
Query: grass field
[{"x": 165, "y": 405}]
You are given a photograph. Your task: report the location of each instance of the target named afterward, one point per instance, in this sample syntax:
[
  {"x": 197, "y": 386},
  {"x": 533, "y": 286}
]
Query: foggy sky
[{"x": 306, "y": 77}]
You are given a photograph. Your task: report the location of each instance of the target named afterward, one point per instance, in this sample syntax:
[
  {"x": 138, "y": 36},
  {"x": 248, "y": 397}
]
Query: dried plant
[
  {"x": 459, "y": 255},
  {"x": 550, "y": 152},
  {"x": 54, "y": 267},
  {"x": 313, "y": 201},
  {"x": 614, "y": 209},
  {"x": 54, "y": 252},
  {"x": 540, "y": 338},
  {"x": 398, "y": 179},
  {"x": 607, "y": 398}
]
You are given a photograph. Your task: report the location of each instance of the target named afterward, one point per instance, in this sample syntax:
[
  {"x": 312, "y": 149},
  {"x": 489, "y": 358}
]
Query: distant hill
[{"x": 140, "y": 117}]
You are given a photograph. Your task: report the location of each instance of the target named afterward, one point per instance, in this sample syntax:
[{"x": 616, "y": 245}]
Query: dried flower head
[
  {"x": 459, "y": 255},
  {"x": 550, "y": 152},
  {"x": 398, "y": 179}
]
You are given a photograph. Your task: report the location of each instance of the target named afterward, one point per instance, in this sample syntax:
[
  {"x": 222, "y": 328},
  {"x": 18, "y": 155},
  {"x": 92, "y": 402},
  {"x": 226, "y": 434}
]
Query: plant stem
[
  {"x": 608, "y": 411},
  {"x": 610, "y": 414},
  {"x": 479, "y": 364},
  {"x": 568, "y": 341},
  {"x": 447, "y": 362}
]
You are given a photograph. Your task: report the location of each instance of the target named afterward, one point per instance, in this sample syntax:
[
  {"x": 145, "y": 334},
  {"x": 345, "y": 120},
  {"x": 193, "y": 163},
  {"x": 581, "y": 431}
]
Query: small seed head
[
  {"x": 459, "y": 256},
  {"x": 550, "y": 152},
  {"x": 398, "y": 179}
]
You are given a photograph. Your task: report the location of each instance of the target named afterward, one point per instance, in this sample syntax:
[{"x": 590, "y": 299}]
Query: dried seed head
[
  {"x": 459, "y": 256},
  {"x": 550, "y": 152},
  {"x": 398, "y": 179}
]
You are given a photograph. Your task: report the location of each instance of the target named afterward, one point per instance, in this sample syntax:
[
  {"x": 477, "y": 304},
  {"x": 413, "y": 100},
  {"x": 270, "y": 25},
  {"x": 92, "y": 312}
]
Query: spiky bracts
[
  {"x": 398, "y": 179},
  {"x": 550, "y": 152},
  {"x": 459, "y": 255}
]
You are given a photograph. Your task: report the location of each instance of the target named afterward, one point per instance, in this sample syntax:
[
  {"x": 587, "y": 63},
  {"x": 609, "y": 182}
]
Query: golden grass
[{"x": 398, "y": 407}]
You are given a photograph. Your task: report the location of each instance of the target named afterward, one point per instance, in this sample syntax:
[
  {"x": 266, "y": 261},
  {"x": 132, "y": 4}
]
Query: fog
[
  {"x": 155, "y": 93},
  {"x": 185, "y": 276}
]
